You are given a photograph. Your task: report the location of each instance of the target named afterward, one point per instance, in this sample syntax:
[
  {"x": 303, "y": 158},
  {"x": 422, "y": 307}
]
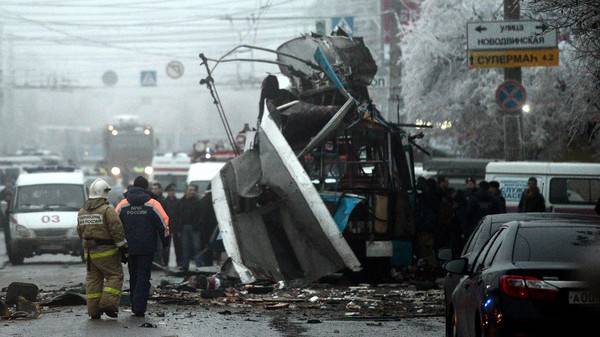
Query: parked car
[
  {"x": 487, "y": 227},
  {"x": 43, "y": 216},
  {"x": 528, "y": 280},
  {"x": 566, "y": 187}
]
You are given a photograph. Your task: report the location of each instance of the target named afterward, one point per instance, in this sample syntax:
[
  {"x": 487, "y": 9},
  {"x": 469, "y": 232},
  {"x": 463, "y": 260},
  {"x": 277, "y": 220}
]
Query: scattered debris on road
[
  {"x": 359, "y": 302},
  {"x": 317, "y": 302},
  {"x": 66, "y": 299},
  {"x": 29, "y": 291}
]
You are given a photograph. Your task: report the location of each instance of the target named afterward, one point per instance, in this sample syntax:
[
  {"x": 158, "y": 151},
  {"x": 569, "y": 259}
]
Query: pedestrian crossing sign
[{"x": 148, "y": 78}]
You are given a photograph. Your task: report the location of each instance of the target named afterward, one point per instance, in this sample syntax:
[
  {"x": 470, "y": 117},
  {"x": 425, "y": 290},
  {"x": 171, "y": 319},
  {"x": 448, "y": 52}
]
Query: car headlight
[
  {"x": 115, "y": 171},
  {"x": 148, "y": 170},
  {"x": 22, "y": 231}
]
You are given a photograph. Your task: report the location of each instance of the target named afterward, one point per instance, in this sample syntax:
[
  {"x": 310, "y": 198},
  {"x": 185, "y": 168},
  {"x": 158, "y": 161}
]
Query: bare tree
[{"x": 580, "y": 19}]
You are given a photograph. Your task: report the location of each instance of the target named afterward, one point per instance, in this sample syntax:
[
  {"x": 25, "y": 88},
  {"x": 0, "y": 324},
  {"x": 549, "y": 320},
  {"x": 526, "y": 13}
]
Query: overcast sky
[{"x": 80, "y": 39}]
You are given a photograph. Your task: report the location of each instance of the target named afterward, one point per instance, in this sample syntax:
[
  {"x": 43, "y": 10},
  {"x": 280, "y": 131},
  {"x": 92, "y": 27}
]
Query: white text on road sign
[{"x": 500, "y": 35}]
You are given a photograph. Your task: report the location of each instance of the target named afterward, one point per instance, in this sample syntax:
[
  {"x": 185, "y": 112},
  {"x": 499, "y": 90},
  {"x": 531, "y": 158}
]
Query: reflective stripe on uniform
[
  {"x": 121, "y": 243},
  {"x": 90, "y": 219},
  {"x": 92, "y": 296},
  {"x": 104, "y": 254},
  {"x": 120, "y": 206},
  {"x": 113, "y": 291},
  {"x": 162, "y": 215}
]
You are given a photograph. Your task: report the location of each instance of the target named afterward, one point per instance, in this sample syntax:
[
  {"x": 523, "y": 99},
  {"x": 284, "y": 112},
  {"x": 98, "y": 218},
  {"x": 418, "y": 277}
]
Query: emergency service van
[
  {"x": 43, "y": 214},
  {"x": 566, "y": 187},
  {"x": 171, "y": 168},
  {"x": 200, "y": 174}
]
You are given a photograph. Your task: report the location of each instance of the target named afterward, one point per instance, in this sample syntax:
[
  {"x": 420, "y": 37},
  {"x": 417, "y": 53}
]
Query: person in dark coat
[
  {"x": 446, "y": 213},
  {"x": 496, "y": 193},
  {"x": 470, "y": 187},
  {"x": 162, "y": 253},
  {"x": 460, "y": 223},
  {"x": 208, "y": 229},
  {"x": 531, "y": 199},
  {"x": 427, "y": 221},
  {"x": 480, "y": 204},
  {"x": 597, "y": 209},
  {"x": 189, "y": 217},
  {"x": 144, "y": 221},
  {"x": 170, "y": 205}
]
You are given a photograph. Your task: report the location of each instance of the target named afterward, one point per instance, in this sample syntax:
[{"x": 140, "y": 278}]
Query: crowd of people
[
  {"x": 446, "y": 217},
  {"x": 193, "y": 225}
]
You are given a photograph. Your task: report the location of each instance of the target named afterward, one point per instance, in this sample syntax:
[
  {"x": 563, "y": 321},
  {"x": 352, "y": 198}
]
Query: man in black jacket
[
  {"x": 162, "y": 251},
  {"x": 170, "y": 205},
  {"x": 480, "y": 204},
  {"x": 496, "y": 193},
  {"x": 531, "y": 199},
  {"x": 144, "y": 220},
  {"x": 189, "y": 214}
]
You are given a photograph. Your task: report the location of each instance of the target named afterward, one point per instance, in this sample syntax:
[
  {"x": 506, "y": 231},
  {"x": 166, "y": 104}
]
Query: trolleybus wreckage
[{"x": 325, "y": 183}]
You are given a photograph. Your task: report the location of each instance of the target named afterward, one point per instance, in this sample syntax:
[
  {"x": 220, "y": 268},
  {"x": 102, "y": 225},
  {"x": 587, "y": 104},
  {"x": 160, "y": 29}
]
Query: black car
[
  {"x": 529, "y": 280},
  {"x": 482, "y": 233}
]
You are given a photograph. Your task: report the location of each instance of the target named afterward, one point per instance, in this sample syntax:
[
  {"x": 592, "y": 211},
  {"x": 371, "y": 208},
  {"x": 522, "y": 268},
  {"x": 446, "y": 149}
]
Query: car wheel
[{"x": 15, "y": 259}]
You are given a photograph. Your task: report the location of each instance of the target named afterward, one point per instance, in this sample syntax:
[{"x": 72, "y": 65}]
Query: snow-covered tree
[
  {"x": 438, "y": 86},
  {"x": 581, "y": 20}
]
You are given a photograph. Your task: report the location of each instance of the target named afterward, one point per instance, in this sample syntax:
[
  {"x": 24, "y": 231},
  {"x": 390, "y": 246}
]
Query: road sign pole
[{"x": 513, "y": 135}]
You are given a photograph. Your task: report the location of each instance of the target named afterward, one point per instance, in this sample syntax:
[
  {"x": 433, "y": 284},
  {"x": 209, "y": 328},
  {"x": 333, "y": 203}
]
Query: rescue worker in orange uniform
[{"x": 105, "y": 248}]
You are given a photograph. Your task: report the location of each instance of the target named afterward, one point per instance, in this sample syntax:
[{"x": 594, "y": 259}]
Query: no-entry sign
[
  {"x": 175, "y": 69},
  {"x": 511, "y": 96}
]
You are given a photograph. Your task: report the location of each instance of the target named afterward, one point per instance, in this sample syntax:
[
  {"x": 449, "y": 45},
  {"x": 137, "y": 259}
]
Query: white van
[
  {"x": 566, "y": 187},
  {"x": 43, "y": 216},
  {"x": 171, "y": 168},
  {"x": 200, "y": 174}
]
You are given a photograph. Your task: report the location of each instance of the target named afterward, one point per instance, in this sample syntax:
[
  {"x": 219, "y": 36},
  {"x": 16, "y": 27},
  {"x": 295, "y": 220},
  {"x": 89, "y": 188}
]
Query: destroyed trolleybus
[{"x": 324, "y": 163}]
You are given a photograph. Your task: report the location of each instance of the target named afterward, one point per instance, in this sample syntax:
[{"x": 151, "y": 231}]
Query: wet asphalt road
[{"x": 57, "y": 271}]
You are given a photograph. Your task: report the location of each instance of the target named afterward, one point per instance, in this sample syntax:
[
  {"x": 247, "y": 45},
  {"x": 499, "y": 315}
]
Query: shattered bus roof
[{"x": 351, "y": 54}]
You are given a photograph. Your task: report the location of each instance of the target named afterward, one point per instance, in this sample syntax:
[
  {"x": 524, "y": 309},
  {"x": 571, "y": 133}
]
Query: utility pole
[
  {"x": 3, "y": 126},
  {"x": 395, "y": 78},
  {"x": 10, "y": 117},
  {"x": 513, "y": 133}
]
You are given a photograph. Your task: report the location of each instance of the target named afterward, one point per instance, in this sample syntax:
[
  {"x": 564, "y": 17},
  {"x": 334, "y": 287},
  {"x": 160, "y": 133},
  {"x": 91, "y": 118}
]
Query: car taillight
[{"x": 527, "y": 287}]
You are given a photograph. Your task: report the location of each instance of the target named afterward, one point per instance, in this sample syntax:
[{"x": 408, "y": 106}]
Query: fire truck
[{"x": 128, "y": 148}]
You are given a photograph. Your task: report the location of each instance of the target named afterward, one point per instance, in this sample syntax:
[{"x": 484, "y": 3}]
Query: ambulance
[
  {"x": 171, "y": 168},
  {"x": 567, "y": 187},
  {"x": 43, "y": 214}
]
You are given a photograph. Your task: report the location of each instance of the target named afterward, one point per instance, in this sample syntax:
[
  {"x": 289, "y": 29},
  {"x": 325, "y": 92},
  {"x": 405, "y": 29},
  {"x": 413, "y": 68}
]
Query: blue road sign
[
  {"x": 344, "y": 22},
  {"x": 148, "y": 78},
  {"x": 511, "y": 96}
]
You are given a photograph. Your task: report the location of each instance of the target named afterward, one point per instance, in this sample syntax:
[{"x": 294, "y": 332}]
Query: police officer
[
  {"x": 144, "y": 220},
  {"x": 105, "y": 248}
]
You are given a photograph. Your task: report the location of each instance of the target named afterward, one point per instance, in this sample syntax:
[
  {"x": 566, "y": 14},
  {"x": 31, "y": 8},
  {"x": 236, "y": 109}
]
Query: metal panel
[{"x": 285, "y": 232}]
